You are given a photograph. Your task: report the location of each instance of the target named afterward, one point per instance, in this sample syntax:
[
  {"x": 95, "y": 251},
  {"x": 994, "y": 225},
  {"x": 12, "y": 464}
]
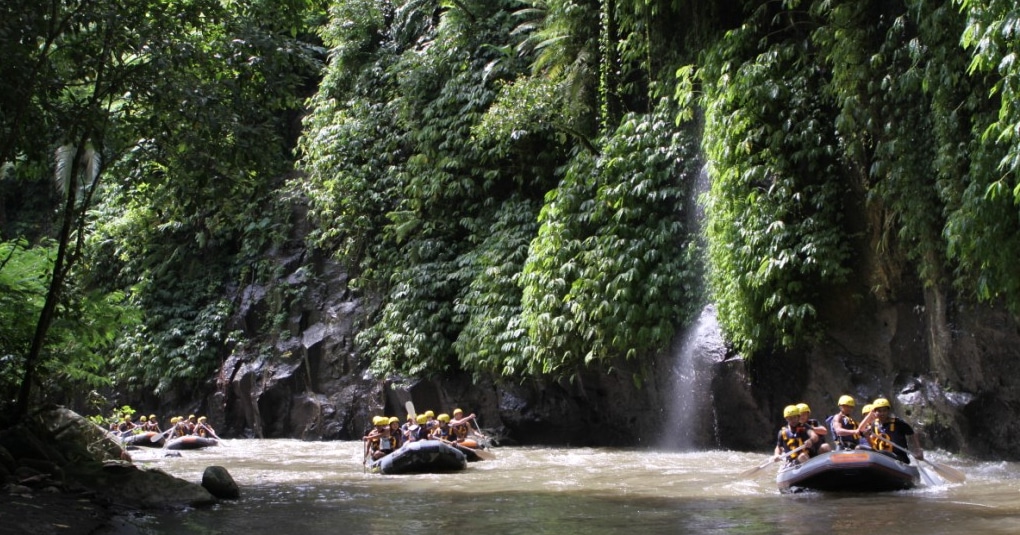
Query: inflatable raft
[
  {"x": 848, "y": 471},
  {"x": 144, "y": 440},
  {"x": 190, "y": 442},
  {"x": 423, "y": 456}
]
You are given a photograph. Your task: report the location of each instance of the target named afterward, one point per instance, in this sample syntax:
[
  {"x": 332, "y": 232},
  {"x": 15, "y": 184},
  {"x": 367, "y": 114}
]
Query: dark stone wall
[{"x": 948, "y": 366}]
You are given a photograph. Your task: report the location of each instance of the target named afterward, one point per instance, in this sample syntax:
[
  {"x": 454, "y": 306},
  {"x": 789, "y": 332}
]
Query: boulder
[{"x": 218, "y": 482}]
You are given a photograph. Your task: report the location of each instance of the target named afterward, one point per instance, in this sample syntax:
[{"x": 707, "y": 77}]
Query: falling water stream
[{"x": 312, "y": 488}]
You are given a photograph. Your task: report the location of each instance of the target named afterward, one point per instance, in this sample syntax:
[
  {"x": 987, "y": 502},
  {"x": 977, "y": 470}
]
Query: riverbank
[{"x": 55, "y": 512}]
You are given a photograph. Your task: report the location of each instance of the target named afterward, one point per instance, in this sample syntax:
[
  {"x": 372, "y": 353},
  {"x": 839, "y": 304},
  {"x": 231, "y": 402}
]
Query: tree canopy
[{"x": 511, "y": 179}]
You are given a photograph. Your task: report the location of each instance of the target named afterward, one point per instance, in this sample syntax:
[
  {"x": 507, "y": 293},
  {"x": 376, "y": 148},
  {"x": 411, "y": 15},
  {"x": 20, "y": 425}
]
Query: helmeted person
[
  {"x": 793, "y": 435},
  {"x": 378, "y": 441},
  {"x": 821, "y": 446},
  {"x": 844, "y": 426},
  {"x": 181, "y": 427},
  {"x": 460, "y": 424},
  {"x": 152, "y": 424},
  {"x": 419, "y": 431},
  {"x": 126, "y": 425},
  {"x": 442, "y": 430},
  {"x": 203, "y": 429},
  {"x": 395, "y": 432},
  {"x": 888, "y": 430},
  {"x": 430, "y": 420}
]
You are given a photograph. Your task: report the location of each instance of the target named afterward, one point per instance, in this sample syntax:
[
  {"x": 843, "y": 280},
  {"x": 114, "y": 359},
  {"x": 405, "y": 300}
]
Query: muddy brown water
[{"x": 312, "y": 488}]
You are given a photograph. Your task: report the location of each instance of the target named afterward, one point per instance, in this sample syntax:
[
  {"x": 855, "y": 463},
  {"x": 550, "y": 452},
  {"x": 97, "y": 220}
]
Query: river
[{"x": 311, "y": 488}]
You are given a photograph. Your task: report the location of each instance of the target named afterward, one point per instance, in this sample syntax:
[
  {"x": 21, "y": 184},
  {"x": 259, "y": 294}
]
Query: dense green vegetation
[{"x": 509, "y": 178}]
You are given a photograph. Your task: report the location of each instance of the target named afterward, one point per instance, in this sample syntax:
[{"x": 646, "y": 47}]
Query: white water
[
  {"x": 690, "y": 416},
  {"x": 314, "y": 488}
]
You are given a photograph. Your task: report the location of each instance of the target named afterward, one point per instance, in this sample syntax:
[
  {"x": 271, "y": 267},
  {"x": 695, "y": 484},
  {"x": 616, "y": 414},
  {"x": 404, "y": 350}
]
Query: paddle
[
  {"x": 484, "y": 455},
  {"x": 752, "y": 471},
  {"x": 161, "y": 436},
  {"x": 947, "y": 472},
  {"x": 485, "y": 438},
  {"x": 410, "y": 410},
  {"x": 208, "y": 430}
]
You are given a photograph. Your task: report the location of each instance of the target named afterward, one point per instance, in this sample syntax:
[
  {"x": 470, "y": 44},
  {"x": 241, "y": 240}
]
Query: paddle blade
[
  {"x": 410, "y": 409},
  {"x": 752, "y": 471},
  {"x": 485, "y": 455},
  {"x": 927, "y": 478},
  {"x": 947, "y": 472}
]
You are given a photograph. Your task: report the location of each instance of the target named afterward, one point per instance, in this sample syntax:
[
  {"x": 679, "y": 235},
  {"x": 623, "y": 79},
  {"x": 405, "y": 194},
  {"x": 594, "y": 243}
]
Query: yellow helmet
[
  {"x": 430, "y": 414},
  {"x": 866, "y": 409},
  {"x": 422, "y": 419},
  {"x": 393, "y": 420},
  {"x": 457, "y": 411},
  {"x": 380, "y": 420},
  {"x": 445, "y": 418},
  {"x": 143, "y": 419},
  {"x": 880, "y": 403},
  {"x": 803, "y": 408},
  {"x": 846, "y": 400},
  {"x": 201, "y": 419},
  {"x": 152, "y": 417},
  {"x": 790, "y": 410}
]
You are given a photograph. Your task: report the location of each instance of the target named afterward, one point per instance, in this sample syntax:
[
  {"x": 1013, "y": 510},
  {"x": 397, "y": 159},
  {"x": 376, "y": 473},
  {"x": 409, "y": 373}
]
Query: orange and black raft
[{"x": 859, "y": 470}]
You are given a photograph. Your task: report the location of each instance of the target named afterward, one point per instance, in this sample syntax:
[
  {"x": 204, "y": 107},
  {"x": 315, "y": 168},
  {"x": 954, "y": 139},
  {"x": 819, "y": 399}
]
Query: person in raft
[
  {"x": 887, "y": 430},
  {"x": 844, "y": 427},
  {"x": 805, "y": 419},
  {"x": 442, "y": 431},
  {"x": 461, "y": 425},
  {"x": 793, "y": 436},
  {"x": 378, "y": 441},
  {"x": 204, "y": 430}
]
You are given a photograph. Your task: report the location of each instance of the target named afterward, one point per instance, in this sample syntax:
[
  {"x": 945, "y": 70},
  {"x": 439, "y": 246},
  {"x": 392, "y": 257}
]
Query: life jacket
[
  {"x": 794, "y": 438},
  {"x": 881, "y": 438},
  {"x": 846, "y": 422},
  {"x": 459, "y": 431},
  {"x": 440, "y": 432}
]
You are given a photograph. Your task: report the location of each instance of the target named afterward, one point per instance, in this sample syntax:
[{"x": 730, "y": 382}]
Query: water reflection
[{"x": 320, "y": 488}]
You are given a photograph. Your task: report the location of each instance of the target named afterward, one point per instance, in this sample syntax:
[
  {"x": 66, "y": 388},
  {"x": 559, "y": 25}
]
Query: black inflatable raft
[
  {"x": 423, "y": 456},
  {"x": 848, "y": 471},
  {"x": 144, "y": 440},
  {"x": 190, "y": 442}
]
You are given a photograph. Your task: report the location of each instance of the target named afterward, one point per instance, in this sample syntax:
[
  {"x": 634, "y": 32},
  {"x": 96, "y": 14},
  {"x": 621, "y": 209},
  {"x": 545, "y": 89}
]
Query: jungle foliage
[{"x": 509, "y": 179}]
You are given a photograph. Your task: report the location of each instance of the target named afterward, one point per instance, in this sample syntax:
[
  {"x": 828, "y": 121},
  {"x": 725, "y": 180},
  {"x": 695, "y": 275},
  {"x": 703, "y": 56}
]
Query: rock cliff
[{"x": 947, "y": 365}]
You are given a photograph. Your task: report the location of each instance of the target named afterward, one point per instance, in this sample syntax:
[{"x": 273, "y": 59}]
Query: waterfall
[
  {"x": 689, "y": 416},
  {"x": 690, "y": 420}
]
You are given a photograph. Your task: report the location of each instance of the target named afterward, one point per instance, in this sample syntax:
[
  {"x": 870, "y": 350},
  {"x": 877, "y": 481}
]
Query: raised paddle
[
  {"x": 946, "y": 472},
  {"x": 752, "y": 471},
  {"x": 161, "y": 436},
  {"x": 410, "y": 410}
]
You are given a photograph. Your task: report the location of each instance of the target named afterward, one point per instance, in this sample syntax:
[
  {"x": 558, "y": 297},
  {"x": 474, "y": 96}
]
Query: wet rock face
[
  {"x": 57, "y": 450},
  {"x": 951, "y": 370}
]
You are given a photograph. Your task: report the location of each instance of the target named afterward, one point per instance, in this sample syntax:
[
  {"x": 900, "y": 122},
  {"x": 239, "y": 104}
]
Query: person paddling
[
  {"x": 461, "y": 425},
  {"x": 203, "y": 429},
  {"x": 820, "y": 446},
  {"x": 793, "y": 436},
  {"x": 888, "y": 430}
]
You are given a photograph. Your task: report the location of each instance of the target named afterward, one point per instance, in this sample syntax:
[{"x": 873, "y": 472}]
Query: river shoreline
[{"x": 54, "y": 511}]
